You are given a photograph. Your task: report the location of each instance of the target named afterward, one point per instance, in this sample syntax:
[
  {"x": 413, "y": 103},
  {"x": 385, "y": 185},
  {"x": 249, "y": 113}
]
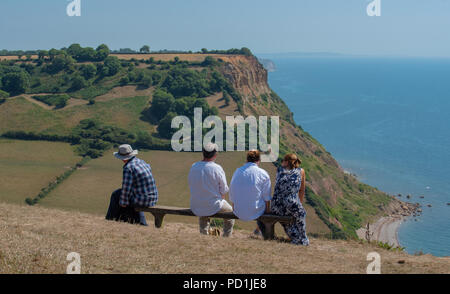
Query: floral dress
[{"x": 287, "y": 203}]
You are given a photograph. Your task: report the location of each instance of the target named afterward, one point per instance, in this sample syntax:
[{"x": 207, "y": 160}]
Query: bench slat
[{"x": 159, "y": 209}]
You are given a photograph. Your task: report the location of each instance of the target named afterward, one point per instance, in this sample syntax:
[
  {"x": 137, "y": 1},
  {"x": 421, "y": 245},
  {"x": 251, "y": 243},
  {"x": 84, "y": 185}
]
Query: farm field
[
  {"x": 19, "y": 114},
  {"x": 28, "y": 166},
  {"x": 89, "y": 188}
]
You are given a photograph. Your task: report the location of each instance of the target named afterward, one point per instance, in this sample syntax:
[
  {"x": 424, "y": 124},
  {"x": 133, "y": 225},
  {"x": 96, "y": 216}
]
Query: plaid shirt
[{"x": 138, "y": 186}]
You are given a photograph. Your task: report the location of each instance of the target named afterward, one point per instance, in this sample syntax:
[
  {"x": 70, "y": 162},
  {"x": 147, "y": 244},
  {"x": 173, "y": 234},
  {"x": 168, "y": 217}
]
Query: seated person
[
  {"x": 288, "y": 197},
  {"x": 138, "y": 188},
  {"x": 250, "y": 190},
  {"x": 208, "y": 186}
]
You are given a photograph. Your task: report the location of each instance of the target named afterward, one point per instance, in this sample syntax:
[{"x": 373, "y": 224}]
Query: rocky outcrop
[{"x": 247, "y": 75}]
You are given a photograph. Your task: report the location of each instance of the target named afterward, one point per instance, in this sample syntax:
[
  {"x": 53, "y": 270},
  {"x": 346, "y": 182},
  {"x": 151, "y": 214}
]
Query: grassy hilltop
[
  {"x": 110, "y": 247},
  {"x": 95, "y": 100}
]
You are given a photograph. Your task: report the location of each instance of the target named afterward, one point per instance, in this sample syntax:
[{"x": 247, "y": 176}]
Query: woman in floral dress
[{"x": 288, "y": 197}]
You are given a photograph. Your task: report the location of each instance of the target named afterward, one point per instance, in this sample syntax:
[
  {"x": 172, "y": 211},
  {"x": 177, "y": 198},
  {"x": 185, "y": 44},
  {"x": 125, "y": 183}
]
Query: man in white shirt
[
  {"x": 250, "y": 190},
  {"x": 208, "y": 186}
]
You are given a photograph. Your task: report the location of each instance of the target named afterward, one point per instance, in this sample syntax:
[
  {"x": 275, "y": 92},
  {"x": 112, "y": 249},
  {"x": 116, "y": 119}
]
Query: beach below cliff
[{"x": 385, "y": 228}]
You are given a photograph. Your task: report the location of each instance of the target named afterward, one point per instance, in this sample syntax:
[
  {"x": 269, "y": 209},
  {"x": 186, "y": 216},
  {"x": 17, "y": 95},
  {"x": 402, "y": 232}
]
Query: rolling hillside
[{"x": 96, "y": 104}]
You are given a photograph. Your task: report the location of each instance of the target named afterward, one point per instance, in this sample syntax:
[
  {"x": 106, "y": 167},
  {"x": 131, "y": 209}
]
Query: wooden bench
[{"x": 269, "y": 220}]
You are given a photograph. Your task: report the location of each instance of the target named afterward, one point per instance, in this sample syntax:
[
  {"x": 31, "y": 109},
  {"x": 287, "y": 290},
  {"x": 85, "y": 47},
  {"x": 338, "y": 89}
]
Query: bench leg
[
  {"x": 269, "y": 233},
  {"x": 158, "y": 219}
]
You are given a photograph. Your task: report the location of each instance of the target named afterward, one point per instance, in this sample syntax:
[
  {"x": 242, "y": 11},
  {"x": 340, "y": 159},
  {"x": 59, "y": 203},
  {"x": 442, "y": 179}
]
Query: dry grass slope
[{"x": 37, "y": 240}]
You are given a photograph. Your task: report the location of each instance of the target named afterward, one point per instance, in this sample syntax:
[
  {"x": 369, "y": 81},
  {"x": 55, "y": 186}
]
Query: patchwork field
[
  {"x": 19, "y": 114},
  {"x": 26, "y": 167}
]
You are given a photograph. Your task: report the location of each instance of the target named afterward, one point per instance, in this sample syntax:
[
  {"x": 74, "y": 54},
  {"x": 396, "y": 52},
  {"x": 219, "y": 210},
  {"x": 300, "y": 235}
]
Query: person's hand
[{"x": 121, "y": 205}]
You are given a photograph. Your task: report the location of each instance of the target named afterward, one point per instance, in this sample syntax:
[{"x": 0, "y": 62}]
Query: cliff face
[
  {"x": 246, "y": 74},
  {"x": 339, "y": 199}
]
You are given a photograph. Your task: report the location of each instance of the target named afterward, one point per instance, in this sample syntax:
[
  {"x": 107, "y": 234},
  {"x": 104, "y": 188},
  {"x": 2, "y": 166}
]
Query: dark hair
[
  {"x": 253, "y": 156},
  {"x": 209, "y": 154}
]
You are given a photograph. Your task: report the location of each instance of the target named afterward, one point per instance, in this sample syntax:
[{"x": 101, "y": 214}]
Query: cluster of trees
[
  {"x": 142, "y": 77},
  {"x": 95, "y": 137},
  {"x": 89, "y": 54},
  {"x": 14, "y": 82},
  {"x": 109, "y": 67},
  {"x": 242, "y": 51},
  {"x": 165, "y": 107},
  {"x": 182, "y": 82},
  {"x": 92, "y": 138},
  {"x": 145, "y": 50},
  {"x": 183, "y": 90},
  {"x": 17, "y": 79},
  {"x": 59, "y": 63},
  {"x": 18, "y": 53},
  {"x": 77, "y": 52}
]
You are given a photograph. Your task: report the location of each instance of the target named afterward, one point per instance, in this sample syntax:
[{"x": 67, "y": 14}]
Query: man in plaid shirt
[{"x": 138, "y": 187}]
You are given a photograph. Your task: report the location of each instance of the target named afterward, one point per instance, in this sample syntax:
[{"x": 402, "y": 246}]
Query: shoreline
[{"x": 385, "y": 229}]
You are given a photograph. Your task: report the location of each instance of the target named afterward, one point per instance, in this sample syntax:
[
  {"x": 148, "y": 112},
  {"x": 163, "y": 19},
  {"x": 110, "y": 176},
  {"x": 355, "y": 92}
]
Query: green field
[
  {"x": 28, "y": 166},
  {"x": 19, "y": 114}
]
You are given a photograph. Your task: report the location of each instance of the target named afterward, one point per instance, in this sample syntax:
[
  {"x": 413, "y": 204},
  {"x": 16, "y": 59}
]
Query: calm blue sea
[{"x": 385, "y": 119}]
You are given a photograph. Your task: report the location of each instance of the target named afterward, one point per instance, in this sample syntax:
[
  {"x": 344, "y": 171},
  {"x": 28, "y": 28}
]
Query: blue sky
[{"x": 405, "y": 27}]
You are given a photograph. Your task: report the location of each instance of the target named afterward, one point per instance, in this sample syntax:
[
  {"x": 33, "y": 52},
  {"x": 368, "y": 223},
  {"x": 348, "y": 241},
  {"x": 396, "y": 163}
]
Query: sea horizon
[{"x": 384, "y": 120}]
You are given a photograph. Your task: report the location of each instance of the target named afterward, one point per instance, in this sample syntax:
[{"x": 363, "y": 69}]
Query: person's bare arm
[{"x": 301, "y": 192}]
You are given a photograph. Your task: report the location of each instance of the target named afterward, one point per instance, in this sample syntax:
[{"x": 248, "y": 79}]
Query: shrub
[
  {"x": 112, "y": 64},
  {"x": 161, "y": 103},
  {"x": 59, "y": 63},
  {"x": 165, "y": 126},
  {"x": 16, "y": 82},
  {"x": 88, "y": 71},
  {"x": 185, "y": 82},
  {"x": 124, "y": 80},
  {"x": 226, "y": 97},
  {"x": 146, "y": 81},
  {"x": 4, "y": 94},
  {"x": 102, "y": 52},
  {"x": 78, "y": 82},
  {"x": 156, "y": 78},
  {"x": 59, "y": 100},
  {"x": 209, "y": 61}
]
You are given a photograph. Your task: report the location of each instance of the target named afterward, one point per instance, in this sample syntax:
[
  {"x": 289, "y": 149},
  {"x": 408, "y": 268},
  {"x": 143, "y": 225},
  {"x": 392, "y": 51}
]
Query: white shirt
[
  {"x": 207, "y": 182},
  {"x": 250, "y": 187}
]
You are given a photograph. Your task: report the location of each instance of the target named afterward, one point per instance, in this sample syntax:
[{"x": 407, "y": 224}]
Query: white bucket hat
[
  {"x": 125, "y": 152},
  {"x": 210, "y": 147}
]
